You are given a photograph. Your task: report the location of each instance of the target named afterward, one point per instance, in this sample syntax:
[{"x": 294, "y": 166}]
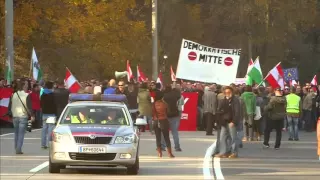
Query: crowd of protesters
[{"x": 238, "y": 113}]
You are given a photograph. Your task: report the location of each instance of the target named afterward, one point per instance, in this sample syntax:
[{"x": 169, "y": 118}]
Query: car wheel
[
  {"x": 133, "y": 170},
  {"x": 53, "y": 168}
]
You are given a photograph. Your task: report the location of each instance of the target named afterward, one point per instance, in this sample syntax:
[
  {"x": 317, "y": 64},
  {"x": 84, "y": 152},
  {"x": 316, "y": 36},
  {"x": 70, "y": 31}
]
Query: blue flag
[{"x": 290, "y": 74}]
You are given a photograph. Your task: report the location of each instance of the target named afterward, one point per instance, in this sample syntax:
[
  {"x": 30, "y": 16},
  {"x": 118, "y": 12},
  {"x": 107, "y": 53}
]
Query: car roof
[{"x": 98, "y": 103}]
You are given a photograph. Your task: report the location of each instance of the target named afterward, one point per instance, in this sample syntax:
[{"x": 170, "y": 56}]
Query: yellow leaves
[{"x": 194, "y": 11}]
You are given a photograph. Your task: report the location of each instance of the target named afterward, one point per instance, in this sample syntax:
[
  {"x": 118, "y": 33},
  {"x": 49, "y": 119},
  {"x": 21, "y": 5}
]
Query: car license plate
[{"x": 92, "y": 149}]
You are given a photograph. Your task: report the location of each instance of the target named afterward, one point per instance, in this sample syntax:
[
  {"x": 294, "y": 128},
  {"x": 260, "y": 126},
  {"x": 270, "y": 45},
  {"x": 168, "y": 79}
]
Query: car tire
[
  {"x": 133, "y": 170},
  {"x": 53, "y": 168}
]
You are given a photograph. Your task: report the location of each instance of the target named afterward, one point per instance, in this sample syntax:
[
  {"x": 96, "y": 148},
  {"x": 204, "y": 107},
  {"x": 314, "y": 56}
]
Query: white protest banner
[
  {"x": 206, "y": 64},
  {"x": 240, "y": 81}
]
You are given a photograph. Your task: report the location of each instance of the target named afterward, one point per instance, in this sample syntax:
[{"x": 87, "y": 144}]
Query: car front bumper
[{"x": 116, "y": 155}]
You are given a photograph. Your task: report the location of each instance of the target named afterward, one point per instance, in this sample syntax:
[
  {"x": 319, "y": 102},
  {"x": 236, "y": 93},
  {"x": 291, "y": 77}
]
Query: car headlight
[
  {"x": 57, "y": 137},
  {"x": 128, "y": 139}
]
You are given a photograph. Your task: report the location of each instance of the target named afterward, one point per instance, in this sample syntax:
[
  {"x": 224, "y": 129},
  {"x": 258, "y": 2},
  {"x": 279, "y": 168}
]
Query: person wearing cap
[
  {"x": 276, "y": 109},
  {"x": 293, "y": 113}
]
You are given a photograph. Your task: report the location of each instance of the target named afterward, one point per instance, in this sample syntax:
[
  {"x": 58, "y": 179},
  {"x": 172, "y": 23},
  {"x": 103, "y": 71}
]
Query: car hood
[{"x": 86, "y": 130}]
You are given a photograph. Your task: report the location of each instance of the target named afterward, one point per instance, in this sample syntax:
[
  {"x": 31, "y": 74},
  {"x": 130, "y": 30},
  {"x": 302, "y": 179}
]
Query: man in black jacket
[
  {"x": 61, "y": 96},
  {"x": 171, "y": 97},
  {"x": 229, "y": 110},
  {"x": 49, "y": 113},
  {"x": 276, "y": 110}
]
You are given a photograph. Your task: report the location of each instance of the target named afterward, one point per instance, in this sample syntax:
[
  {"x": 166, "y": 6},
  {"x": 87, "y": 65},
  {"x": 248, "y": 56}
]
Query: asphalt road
[
  {"x": 294, "y": 160},
  {"x": 188, "y": 164}
]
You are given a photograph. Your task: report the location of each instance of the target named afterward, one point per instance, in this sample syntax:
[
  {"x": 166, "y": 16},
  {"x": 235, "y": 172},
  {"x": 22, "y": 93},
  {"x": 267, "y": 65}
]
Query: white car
[{"x": 95, "y": 133}]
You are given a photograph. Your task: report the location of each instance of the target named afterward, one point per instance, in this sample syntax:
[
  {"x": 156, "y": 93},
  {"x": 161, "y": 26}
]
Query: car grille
[
  {"x": 97, "y": 140},
  {"x": 93, "y": 157}
]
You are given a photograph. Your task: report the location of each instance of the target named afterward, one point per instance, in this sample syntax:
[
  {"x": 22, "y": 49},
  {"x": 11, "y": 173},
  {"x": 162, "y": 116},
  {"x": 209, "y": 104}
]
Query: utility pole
[
  {"x": 9, "y": 55},
  {"x": 154, "y": 39}
]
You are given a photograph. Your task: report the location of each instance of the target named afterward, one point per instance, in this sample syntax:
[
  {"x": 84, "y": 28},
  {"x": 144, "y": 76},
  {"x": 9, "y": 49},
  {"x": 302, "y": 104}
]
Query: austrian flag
[
  {"x": 275, "y": 77},
  {"x": 71, "y": 82}
]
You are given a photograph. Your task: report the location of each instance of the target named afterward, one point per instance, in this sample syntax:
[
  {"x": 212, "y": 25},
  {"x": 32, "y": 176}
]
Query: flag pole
[{"x": 30, "y": 72}]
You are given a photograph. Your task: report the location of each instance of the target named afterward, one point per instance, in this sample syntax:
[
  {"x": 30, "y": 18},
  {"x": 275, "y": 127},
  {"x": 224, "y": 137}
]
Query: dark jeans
[
  {"x": 308, "y": 120},
  {"x": 164, "y": 130},
  {"x": 270, "y": 125},
  {"x": 38, "y": 119},
  {"x": 209, "y": 119},
  {"x": 257, "y": 126}
]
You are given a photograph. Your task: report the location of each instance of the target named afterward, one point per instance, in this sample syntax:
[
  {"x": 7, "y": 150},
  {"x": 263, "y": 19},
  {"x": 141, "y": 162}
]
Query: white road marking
[
  {"x": 34, "y": 130},
  {"x": 217, "y": 168},
  {"x": 38, "y": 168},
  {"x": 207, "y": 162}
]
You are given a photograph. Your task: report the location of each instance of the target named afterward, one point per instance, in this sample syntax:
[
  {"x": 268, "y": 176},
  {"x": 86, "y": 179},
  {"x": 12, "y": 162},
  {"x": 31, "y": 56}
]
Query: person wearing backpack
[
  {"x": 276, "y": 109},
  {"x": 171, "y": 97},
  {"x": 20, "y": 114}
]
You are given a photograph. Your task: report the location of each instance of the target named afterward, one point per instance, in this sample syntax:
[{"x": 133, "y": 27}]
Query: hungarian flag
[
  {"x": 248, "y": 78},
  {"x": 71, "y": 82},
  {"x": 314, "y": 80},
  {"x": 140, "y": 75},
  {"x": 173, "y": 76},
  {"x": 36, "y": 70},
  {"x": 5, "y": 95},
  {"x": 275, "y": 77},
  {"x": 159, "y": 79},
  {"x": 255, "y": 72},
  {"x": 130, "y": 74}
]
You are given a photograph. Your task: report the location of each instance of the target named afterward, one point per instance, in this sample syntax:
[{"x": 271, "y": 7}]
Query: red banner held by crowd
[{"x": 189, "y": 114}]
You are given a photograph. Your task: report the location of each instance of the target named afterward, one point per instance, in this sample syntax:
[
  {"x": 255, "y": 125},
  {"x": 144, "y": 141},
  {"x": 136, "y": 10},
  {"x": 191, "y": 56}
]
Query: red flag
[
  {"x": 5, "y": 95},
  {"x": 71, "y": 82},
  {"x": 173, "y": 76},
  {"x": 314, "y": 80},
  {"x": 275, "y": 77},
  {"x": 159, "y": 79},
  {"x": 140, "y": 75},
  {"x": 130, "y": 74}
]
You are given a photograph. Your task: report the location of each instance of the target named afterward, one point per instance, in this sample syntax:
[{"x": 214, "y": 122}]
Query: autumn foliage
[{"x": 94, "y": 38}]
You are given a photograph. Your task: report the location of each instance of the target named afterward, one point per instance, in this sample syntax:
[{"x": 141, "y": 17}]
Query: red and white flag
[
  {"x": 130, "y": 74},
  {"x": 275, "y": 77},
  {"x": 159, "y": 79},
  {"x": 293, "y": 83},
  {"x": 173, "y": 76},
  {"x": 140, "y": 75},
  {"x": 71, "y": 82},
  {"x": 5, "y": 95},
  {"x": 314, "y": 80}
]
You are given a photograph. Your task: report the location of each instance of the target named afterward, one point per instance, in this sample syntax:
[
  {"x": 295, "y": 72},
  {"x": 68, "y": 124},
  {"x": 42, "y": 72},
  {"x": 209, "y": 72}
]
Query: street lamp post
[
  {"x": 154, "y": 39},
  {"x": 9, "y": 55},
  {"x": 165, "y": 57}
]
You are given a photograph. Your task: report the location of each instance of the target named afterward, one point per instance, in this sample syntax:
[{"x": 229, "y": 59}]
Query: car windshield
[{"x": 102, "y": 115}]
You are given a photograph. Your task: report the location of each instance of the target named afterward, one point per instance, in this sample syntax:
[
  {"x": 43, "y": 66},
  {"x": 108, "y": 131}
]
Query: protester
[
  {"x": 293, "y": 113},
  {"x": 172, "y": 98},
  {"x": 276, "y": 109},
  {"x": 144, "y": 105},
  {"x": 112, "y": 87},
  {"x": 161, "y": 123},
  {"x": 229, "y": 119},
  {"x": 121, "y": 89},
  {"x": 242, "y": 117},
  {"x": 20, "y": 114},
  {"x": 34, "y": 99},
  {"x": 250, "y": 101},
  {"x": 61, "y": 97},
  {"x": 209, "y": 108},
  {"x": 257, "y": 115},
  {"x": 49, "y": 110},
  {"x": 307, "y": 109}
]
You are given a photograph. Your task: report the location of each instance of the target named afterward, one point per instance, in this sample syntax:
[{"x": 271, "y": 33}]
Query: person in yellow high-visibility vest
[
  {"x": 80, "y": 119},
  {"x": 293, "y": 110}
]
